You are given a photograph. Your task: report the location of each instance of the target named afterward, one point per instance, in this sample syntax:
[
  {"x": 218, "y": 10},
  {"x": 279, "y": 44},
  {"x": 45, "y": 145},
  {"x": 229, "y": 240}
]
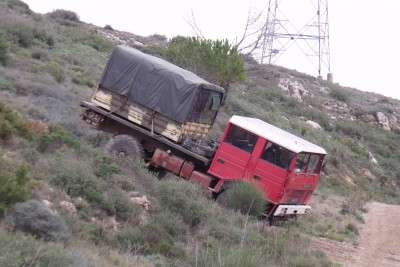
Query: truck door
[
  {"x": 272, "y": 169},
  {"x": 233, "y": 154},
  {"x": 302, "y": 183}
]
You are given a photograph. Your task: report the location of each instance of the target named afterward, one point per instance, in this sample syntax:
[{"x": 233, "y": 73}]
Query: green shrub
[
  {"x": 244, "y": 197},
  {"x": 57, "y": 137},
  {"x": 15, "y": 186},
  {"x": 7, "y": 85},
  {"x": 19, "y": 5},
  {"x": 23, "y": 32},
  {"x": 148, "y": 239},
  {"x": 11, "y": 123},
  {"x": 115, "y": 202},
  {"x": 339, "y": 94},
  {"x": 64, "y": 14},
  {"x": 4, "y": 54},
  {"x": 33, "y": 217},
  {"x": 18, "y": 249},
  {"x": 55, "y": 70},
  {"x": 217, "y": 61},
  {"x": 173, "y": 223},
  {"x": 185, "y": 199}
]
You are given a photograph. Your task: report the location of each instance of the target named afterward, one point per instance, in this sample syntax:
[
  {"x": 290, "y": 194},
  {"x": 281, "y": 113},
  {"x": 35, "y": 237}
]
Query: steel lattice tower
[{"x": 310, "y": 36}]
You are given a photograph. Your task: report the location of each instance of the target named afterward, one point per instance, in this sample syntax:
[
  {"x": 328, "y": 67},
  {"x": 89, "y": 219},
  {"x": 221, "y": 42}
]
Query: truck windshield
[
  {"x": 308, "y": 163},
  {"x": 277, "y": 155},
  {"x": 241, "y": 138}
]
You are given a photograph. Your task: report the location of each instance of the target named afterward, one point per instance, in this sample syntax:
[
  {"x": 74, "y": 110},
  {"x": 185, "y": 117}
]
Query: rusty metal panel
[
  {"x": 167, "y": 161},
  {"x": 201, "y": 178},
  {"x": 187, "y": 170}
]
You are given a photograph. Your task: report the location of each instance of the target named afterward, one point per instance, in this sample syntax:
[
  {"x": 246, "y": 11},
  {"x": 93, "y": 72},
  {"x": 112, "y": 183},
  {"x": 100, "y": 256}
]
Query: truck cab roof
[{"x": 276, "y": 135}]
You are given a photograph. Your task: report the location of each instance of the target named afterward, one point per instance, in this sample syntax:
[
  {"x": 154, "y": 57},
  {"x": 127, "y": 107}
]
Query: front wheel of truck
[{"x": 125, "y": 149}]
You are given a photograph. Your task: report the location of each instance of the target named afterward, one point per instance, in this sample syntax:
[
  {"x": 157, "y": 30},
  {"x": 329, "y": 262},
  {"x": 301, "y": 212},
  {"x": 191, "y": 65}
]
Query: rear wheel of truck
[{"x": 125, "y": 149}]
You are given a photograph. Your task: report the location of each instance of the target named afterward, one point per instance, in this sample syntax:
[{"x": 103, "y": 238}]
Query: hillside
[{"x": 49, "y": 63}]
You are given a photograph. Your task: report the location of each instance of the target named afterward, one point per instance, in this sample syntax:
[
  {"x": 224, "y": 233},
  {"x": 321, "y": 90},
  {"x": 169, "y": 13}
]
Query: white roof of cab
[{"x": 276, "y": 135}]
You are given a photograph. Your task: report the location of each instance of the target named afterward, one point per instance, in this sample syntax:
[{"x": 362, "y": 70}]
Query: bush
[
  {"x": 55, "y": 138},
  {"x": 4, "y": 56},
  {"x": 18, "y": 249},
  {"x": 217, "y": 61},
  {"x": 11, "y": 123},
  {"x": 33, "y": 217},
  {"x": 184, "y": 199},
  {"x": 244, "y": 197},
  {"x": 55, "y": 70},
  {"x": 64, "y": 14},
  {"x": 15, "y": 186},
  {"x": 17, "y": 4},
  {"x": 339, "y": 94}
]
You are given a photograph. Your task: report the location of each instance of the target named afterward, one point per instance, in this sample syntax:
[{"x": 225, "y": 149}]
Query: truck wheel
[{"x": 125, "y": 149}]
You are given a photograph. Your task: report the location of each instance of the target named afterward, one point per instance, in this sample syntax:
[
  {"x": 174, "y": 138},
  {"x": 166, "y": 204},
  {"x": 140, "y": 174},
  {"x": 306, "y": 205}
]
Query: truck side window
[
  {"x": 301, "y": 163},
  {"x": 241, "y": 138},
  {"x": 313, "y": 164},
  {"x": 277, "y": 155}
]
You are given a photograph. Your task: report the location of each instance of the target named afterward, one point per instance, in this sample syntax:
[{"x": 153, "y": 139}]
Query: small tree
[{"x": 216, "y": 61}]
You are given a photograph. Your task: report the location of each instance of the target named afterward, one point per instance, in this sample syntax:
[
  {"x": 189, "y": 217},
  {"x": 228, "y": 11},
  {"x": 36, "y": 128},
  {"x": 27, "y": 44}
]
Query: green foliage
[
  {"x": 216, "y": 61},
  {"x": 7, "y": 85},
  {"x": 339, "y": 94},
  {"x": 89, "y": 38},
  {"x": 244, "y": 197},
  {"x": 64, "y": 15},
  {"x": 55, "y": 70},
  {"x": 19, "y": 5},
  {"x": 178, "y": 197},
  {"x": 18, "y": 249},
  {"x": 79, "y": 76},
  {"x": 33, "y": 217},
  {"x": 148, "y": 239},
  {"x": 16, "y": 186},
  {"x": 11, "y": 123},
  {"x": 4, "y": 54},
  {"x": 56, "y": 137}
]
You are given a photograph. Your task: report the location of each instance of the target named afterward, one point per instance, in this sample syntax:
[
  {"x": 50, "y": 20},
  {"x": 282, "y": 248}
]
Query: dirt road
[{"x": 379, "y": 240}]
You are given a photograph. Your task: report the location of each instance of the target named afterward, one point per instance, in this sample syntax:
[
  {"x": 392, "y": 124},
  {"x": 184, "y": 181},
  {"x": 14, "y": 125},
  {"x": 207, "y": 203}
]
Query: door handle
[
  {"x": 220, "y": 160},
  {"x": 256, "y": 177}
]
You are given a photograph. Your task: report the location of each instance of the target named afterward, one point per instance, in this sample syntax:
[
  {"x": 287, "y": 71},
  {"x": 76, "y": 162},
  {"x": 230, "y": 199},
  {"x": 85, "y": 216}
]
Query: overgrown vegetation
[
  {"x": 244, "y": 197},
  {"x": 50, "y": 63},
  {"x": 216, "y": 61}
]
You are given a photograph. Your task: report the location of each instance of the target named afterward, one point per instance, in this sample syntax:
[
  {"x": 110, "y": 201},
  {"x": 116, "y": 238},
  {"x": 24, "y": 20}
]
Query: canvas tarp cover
[{"x": 153, "y": 82}]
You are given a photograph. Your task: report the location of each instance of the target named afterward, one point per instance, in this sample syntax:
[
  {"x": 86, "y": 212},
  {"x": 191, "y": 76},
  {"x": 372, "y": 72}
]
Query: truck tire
[{"x": 125, "y": 149}]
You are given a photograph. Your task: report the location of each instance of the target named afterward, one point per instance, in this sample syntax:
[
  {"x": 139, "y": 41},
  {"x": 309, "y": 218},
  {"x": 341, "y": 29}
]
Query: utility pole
[{"x": 301, "y": 24}]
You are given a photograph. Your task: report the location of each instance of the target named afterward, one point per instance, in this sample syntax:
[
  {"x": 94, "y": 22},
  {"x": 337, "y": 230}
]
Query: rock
[
  {"x": 293, "y": 88},
  {"x": 314, "y": 125},
  {"x": 48, "y": 204},
  {"x": 143, "y": 201},
  {"x": 383, "y": 121},
  {"x": 369, "y": 175},
  {"x": 68, "y": 206},
  {"x": 348, "y": 180},
  {"x": 372, "y": 158},
  {"x": 394, "y": 123}
]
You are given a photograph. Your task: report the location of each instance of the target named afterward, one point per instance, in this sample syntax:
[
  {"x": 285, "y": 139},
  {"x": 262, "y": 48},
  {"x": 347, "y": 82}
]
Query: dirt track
[{"x": 379, "y": 240}]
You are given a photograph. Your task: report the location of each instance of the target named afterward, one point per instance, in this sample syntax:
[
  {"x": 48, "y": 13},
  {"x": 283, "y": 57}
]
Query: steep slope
[{"x": 54, "y": 63}]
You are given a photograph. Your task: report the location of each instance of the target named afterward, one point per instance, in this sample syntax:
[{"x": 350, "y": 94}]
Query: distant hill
[{"x": 49, "y": 63}]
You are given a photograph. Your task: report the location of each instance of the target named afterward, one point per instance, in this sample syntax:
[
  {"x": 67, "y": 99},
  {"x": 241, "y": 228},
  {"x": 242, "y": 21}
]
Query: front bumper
[{"x": 284, "y": 210}]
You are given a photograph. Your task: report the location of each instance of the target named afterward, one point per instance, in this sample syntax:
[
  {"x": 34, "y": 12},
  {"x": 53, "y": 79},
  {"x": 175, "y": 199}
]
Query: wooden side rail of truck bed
[{"x": 144, "y": 131}]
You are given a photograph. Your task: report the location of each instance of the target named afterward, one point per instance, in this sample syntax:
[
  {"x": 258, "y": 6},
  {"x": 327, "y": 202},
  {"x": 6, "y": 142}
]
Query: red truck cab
[{"x": 285, "y": 167}]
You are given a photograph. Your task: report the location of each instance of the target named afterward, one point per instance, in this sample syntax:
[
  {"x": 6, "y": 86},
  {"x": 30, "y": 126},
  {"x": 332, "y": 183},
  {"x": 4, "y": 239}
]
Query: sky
[{"x": 364, "y": 35}]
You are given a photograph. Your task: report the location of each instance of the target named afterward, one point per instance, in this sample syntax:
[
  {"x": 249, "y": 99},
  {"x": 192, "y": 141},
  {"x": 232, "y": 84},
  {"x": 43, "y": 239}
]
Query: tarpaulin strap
[
  {"x": 153, "y": 114},
  {"x": 118, "y": 108}
]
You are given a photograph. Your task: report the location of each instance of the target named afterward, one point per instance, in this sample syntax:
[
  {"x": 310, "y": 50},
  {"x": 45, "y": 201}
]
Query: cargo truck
[{"x": 162, "y": 114}]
